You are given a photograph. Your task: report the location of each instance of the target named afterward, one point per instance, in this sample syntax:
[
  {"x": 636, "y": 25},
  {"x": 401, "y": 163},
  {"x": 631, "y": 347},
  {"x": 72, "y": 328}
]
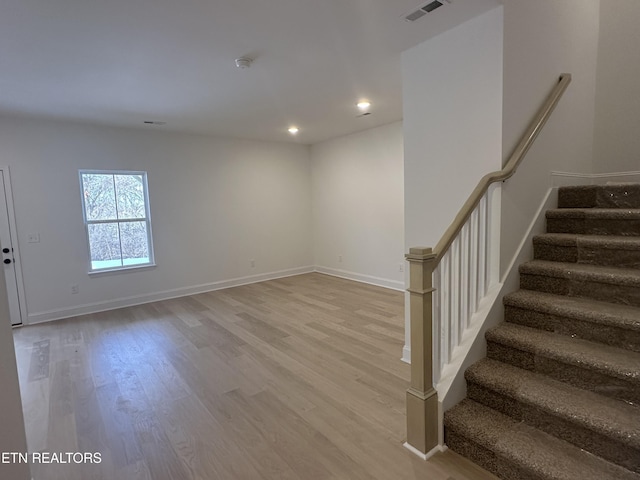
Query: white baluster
[
  {"x": 482, "y": 247},
  {"x": 465, "y": 304},
  {"x": 455, "y": 294},
  {"x": 493, "y": 229},
  {"x": 473, "y": 262},
  {"x": 445, "y": 308},
  {"x": 437, "y": 324},
  {"x": 462, "y": 279}
]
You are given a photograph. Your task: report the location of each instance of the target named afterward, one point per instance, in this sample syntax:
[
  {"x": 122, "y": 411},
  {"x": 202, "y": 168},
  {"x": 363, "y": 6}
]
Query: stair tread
[
  {"x": 613, "y": 418},
  {"x": 528, "y": 447},
  {"x": 593, "y": 311},
  {"x": 619, "y": 242},
  {"x": 595, "y": 213},
  {"x": 612, "y": 361},
  {"x": 583, "y": 272}
]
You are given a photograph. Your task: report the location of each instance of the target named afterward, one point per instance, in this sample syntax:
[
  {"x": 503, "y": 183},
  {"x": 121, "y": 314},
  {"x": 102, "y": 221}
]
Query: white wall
[
  {"x": 543, "y": 39},
  {"x": 215, "y": 205},
  {"x": 12, "y": 433},
  {"x": 452, "y": 101},
  {"x": 358, "y": 206},
  {"x": 617, "y": 138}
]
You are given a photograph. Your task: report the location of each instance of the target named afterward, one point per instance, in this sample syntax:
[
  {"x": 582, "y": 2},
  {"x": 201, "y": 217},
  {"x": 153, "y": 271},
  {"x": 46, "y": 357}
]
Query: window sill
[{"x": 121, "y": 269}]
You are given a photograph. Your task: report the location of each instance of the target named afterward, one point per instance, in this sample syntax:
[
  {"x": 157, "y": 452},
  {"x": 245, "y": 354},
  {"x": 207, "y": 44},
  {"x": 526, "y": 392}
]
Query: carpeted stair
[{"x": 558, "y": 396}]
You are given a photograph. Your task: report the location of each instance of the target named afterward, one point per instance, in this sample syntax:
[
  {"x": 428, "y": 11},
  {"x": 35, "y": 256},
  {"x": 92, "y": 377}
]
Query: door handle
[
  {"x": 5, "y": 250},
  {"x": 7, "y": 260}
]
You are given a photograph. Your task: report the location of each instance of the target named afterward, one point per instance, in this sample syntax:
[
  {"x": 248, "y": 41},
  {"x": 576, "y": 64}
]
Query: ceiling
[{"x": 121, "y": 62}]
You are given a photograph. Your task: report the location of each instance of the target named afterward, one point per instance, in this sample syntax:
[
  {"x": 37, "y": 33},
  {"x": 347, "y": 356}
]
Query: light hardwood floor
[{"x": 296, "y": 378}]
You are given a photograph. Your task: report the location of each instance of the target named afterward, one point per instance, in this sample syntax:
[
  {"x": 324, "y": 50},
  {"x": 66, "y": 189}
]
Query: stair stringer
[{"x": 452, "y": 386}]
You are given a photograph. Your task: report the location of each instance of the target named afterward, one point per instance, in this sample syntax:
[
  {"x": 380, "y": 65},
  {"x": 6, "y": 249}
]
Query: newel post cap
[{"x": 420, "y": 253}]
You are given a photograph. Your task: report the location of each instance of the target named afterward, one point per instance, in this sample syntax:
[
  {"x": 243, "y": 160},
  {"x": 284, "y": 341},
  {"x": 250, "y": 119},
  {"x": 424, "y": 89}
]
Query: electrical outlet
[
  {"x": 339, "y": 258},
  {"x": 33, "y": 238},
  {"x": 401, "y": 267},
  {"x": 75, "y": 288},
  {"x": 252, "y": 263}
]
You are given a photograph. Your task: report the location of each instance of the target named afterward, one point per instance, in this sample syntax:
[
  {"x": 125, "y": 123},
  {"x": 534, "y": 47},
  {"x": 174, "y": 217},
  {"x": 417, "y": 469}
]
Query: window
[{"x": 116, "y": 218}]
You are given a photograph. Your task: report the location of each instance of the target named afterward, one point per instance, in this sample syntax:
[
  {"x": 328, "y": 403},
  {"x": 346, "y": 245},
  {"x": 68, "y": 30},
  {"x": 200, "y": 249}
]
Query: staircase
[{"x": 558, "y": 396}]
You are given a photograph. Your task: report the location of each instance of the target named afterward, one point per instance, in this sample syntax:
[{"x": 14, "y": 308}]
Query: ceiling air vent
[{"x": 422, "y": 11}]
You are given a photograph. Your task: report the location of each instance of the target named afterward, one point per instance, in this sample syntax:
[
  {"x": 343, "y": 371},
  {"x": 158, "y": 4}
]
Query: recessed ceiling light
[
  {"x": 363, "y": 105},
  {"x": 293, "y": 130},
  {"x": 153, "y": 122}
]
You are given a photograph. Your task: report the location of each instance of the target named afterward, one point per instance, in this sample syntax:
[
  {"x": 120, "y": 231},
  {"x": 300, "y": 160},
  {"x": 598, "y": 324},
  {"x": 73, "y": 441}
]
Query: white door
[{"x": 8, "y": 256}]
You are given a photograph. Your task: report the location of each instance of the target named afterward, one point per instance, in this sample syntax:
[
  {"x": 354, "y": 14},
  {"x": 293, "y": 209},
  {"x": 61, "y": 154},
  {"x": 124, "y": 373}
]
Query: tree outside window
[{"x": 116, "y": 214}]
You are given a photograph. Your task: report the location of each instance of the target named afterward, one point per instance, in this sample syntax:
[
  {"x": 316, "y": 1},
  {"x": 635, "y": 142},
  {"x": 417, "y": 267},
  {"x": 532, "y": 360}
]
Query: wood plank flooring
[{"x": 296, "y": 378}]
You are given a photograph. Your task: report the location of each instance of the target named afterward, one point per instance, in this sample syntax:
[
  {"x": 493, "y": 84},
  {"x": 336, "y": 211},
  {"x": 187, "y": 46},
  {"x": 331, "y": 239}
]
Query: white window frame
[{"x": 147, "y": 219}]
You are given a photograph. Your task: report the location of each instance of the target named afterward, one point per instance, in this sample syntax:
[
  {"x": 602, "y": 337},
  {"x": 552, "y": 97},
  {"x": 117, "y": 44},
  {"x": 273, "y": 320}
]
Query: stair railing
[{"x": 447, "y": 283}]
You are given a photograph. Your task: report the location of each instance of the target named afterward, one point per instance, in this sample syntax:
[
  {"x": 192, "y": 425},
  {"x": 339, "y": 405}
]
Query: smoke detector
[
  {"x": 424, "y": 9},
  {"x": 243, "y": 62}
]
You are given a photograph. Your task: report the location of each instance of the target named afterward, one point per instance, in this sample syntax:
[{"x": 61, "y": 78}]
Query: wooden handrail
[{"x": 509, "y": 169}]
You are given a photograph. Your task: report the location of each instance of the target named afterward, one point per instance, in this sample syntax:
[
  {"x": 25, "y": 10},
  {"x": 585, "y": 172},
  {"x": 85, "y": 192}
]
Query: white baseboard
[
  {"x": 563, "y": 179},
  {"x": 406, "y": 354},
  {"x": 429, "y": 454},
  {"x": 359, "y": 277},
  {"x": 57, "y": 314},
  {"x": 46, "y": 316}
]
